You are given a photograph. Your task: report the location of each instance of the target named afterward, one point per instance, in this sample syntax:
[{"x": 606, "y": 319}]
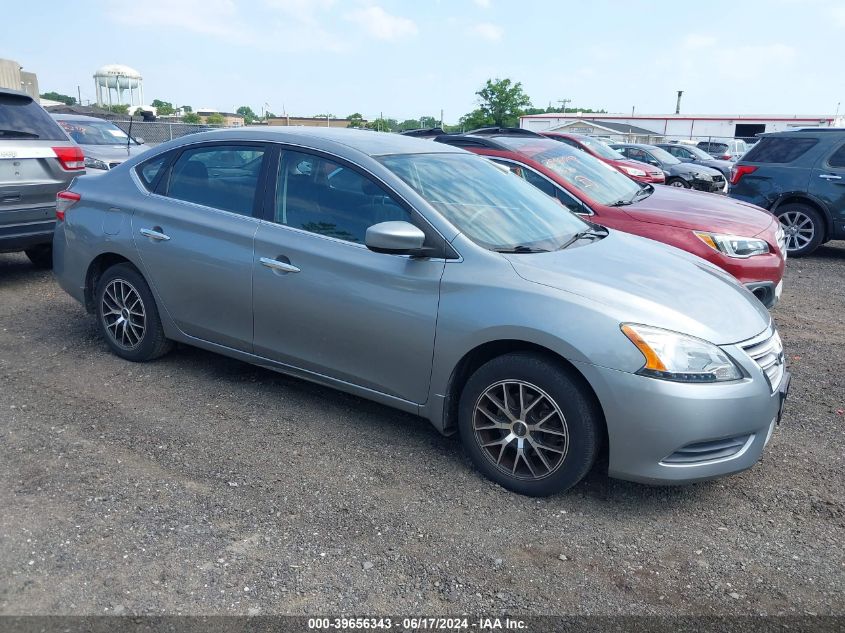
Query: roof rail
[
  {"x": 424, "y": 132},
  {"x": 502, "y": 131}
]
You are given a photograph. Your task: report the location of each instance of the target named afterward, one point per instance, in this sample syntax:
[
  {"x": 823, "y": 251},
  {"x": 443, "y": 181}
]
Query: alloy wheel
[
  {"x": 123, "y": 314},
  {"x": 677, "y": 183},
  {"x": 520, "y": 429},
  {"x": 798, "y": 228}
]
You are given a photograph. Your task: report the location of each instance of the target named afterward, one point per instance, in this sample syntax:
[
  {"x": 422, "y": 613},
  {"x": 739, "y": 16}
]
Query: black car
[
  {"x": 678, "y": 174},
  {"x": 697, "y": 156},
  {"x": 800, "y": 177}
]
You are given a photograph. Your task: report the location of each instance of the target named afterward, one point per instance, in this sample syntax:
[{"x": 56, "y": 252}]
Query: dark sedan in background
[
  {"x": 697, "y": 156},
  {"x": 678, "y": 174}
]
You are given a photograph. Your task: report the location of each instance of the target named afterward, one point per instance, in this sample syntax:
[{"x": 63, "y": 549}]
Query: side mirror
[{"x": 395, "y": 238}]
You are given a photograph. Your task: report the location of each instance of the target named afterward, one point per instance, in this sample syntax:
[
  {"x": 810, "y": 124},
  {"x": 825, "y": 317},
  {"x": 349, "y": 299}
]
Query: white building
[{"x": 676, "y": 126}]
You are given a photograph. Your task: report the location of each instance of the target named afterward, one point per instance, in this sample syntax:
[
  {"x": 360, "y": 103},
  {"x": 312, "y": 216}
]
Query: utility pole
[
  {"x": 563, "y": 102},
  {"x": 79, "y": 95},
  {"x": 678, "y": 104},
  {"x": 441, "y": 116}
]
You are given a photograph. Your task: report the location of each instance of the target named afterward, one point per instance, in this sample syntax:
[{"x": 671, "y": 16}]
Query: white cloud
[
  {"x": 484, "y": 4},
  {"x": 488, "y": 31},
  {"x": 381, "y": 24},
  {"x": 695, "y": 41},
  {"x": 218, "y": 18}
]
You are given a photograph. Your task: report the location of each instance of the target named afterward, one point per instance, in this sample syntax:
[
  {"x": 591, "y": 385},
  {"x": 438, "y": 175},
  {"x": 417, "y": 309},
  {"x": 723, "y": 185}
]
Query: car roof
[
  {"x": 76, "y": 117},
  {"x": 17, "y": 93},
  {"x": 805, "y": 131},
  {"x": 364, "y": 141},
  {"x": 639, "y": 145}
]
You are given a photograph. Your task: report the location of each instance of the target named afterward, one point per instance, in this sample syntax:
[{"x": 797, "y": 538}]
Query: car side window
[
  {"x": 223, "y": 177},
  {"x": 838, "y": 157},
  {"x": 151, "y": 169},
  {"x": 321, "y": 196},
  {"x": 547, "y": 187}
]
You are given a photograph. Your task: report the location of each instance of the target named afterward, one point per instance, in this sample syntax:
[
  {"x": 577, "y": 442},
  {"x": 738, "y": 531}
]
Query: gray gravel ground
[{"x": 198, "y": 484}]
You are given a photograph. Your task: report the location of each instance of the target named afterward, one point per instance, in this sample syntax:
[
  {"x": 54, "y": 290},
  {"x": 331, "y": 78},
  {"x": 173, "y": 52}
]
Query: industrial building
[
  {"x": 14, "y": 77},
  {"x": 655, "y": 127}
]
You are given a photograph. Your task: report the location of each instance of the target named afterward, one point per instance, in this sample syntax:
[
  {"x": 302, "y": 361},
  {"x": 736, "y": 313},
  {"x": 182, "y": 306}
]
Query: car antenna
[{"x": 129, "y": 135}]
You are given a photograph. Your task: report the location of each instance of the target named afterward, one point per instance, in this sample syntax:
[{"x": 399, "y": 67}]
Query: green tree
[
  {"x": 57, "y": 96},
  {"x": 163, "y": 108},
  {"x": 383, "y": 125},
  {"x": 429, "y": 121},
  {"x": 356, "y": 120},
  {"x": 187, "y": 109},
  {"x": 247, "y": 113},
  {"x": 502, "y": 101},
  {"x": 215, "y": 118},
  {"x": 409, "y": 124},
  {"x": 475, "y": 119},
  {"x": 120, "y": 108},
  {"x": 191, "y": 117},
  {"x": 269, "y": 115}
]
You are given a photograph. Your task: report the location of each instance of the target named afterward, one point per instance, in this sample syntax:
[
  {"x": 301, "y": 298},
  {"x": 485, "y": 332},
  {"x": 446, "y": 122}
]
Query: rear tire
[
  {"x": 804, "y": 228},
  {"x": 678, "y": 182},
  {"x": 41, "y": 256},
  {"x": 529, "y": 425},
  {"x": 128, "y": 317}
]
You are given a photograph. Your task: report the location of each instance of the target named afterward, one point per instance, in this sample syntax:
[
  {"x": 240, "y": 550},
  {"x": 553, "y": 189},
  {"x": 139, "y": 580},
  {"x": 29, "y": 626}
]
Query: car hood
[
  {"x": 113, "y": 153},
  {"x": 687, "y": 209},
  {"x": 690, "y": 170},
  {"x": 642, "y": 281}
]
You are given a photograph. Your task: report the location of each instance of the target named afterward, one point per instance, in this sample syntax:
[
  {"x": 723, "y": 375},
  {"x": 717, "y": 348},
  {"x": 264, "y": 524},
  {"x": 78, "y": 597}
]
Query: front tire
[
  {"x": 529, "y": 424},
  {"x": 128, "y": 317},
  {"x": 41, "y": 256},
  {"x": 678, "y": 182},
  {"x": 804, "y": 228}
]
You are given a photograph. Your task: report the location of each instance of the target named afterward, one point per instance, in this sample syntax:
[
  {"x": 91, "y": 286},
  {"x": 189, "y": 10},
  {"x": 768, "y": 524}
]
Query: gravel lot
[{"x": 198, "y": 484}]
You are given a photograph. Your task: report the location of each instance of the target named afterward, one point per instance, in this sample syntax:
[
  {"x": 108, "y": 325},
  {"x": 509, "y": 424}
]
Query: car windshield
[
  {"x": 699, "y": 153},
  {"x": 597, "y": 180},
  {"x": 600, "y": 148},
  {"x": 94, "y": 132},
  {"x": 663, "y": 156},
  {"x": 495, "y": 209}
]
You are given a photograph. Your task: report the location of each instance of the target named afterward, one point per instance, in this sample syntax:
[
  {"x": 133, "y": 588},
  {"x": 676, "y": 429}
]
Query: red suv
[
  {"x": 635, "y": 170},
  {"x": 744, "y": 240}
]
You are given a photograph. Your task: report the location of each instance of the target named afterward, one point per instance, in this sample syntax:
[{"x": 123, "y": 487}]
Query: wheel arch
[
  {"x": 811, "y": 201},
  {"x": 484, "y": 352},
  {"x": 100, "y": 264}
]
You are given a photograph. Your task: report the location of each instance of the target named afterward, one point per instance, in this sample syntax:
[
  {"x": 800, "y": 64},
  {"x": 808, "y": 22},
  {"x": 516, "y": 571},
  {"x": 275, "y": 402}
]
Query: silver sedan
[{"x": 423, "y": 277}]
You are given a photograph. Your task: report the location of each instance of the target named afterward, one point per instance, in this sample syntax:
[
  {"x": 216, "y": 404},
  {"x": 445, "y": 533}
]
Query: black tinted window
[
  {"x": 22, "y": 118},
  {"x": 779, "y": 149},
  {"x": 321, "y": 196},
  {"x": 223, "y": 176},
  {"x": 149, "y": 171},
  {"x": 838, "y": 158}
]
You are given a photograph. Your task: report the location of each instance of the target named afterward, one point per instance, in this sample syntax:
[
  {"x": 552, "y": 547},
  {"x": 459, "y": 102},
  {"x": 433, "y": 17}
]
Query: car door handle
[
  {"x": 275, "y": 264},
  {"x": 158, "y": 236},
  {"x": 830, "y": 177}
]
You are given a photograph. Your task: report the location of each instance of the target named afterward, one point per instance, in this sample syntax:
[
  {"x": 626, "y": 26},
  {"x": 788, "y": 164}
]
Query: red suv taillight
[
  {"x": 738, "y": 171},
  {"x": 71, "y": 158},
  {"x": 64, "y": 201}
]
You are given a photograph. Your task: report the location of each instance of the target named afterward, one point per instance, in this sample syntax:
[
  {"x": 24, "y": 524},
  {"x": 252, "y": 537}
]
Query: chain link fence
[{"x": 155, "y": 132}]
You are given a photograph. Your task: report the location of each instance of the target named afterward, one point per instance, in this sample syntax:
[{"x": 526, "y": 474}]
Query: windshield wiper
[
  {"x": 17, "y": 134},
  {"x": 521, "y": 249},
  {"x": 620, "y": 203},
  {"x": 580, "y": 235}
]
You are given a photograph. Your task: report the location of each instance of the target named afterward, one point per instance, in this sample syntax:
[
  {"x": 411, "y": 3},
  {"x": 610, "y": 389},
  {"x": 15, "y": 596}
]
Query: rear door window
[
  {"x": 21, "y": 118},
  {"x": 223, "y": 177},
  {"x": 779, "y": 149},
  {"x": 838, "y": 157},
  {"x": 149, "y": 171}
]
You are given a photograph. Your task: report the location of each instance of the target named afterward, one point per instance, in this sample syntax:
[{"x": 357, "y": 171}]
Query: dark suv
[
  {"x": 800, "y": 177},
  {"x": 37, "y": 160}
]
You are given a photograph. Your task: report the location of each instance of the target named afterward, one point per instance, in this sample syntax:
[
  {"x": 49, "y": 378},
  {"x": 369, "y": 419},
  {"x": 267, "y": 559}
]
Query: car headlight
[
  {"x": 678, "y": 357},
  {"x": 633, "y": 171},
  {"x": 95, "y": 163},
  {"x": 733, "y": 245}
]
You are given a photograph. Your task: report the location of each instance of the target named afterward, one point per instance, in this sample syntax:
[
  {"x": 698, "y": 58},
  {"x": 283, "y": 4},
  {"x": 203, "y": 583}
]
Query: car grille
[
  {"x": 768, "y": 354},
  {"x": 708, "y": 451}
]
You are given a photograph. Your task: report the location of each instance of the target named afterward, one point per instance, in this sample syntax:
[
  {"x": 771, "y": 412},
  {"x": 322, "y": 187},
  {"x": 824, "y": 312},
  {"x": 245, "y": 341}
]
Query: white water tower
[{"x": 121, "y": 79}]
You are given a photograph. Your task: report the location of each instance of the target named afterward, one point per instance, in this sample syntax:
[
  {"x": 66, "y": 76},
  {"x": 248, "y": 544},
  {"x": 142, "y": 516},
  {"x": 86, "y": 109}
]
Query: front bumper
[
  {"x": 662, "y": 432},
  {"x": 710, "y": 186},
  {"x": 768, "y": 292}
]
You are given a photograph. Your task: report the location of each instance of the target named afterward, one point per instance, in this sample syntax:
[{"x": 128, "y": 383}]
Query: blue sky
[{"x": 409, "y": 59}]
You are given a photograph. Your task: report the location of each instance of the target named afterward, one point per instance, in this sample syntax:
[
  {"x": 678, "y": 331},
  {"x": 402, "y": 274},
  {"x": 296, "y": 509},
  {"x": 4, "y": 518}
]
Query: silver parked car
[
  {"x": 105, "y": 145},
  {"x": 424, "y": 277},
  {"x": 36, "y": 162}
]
